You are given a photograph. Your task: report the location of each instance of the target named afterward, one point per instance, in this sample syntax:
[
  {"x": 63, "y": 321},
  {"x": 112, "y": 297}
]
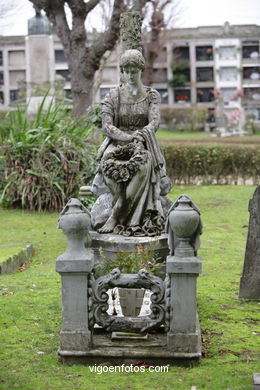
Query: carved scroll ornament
[{"x": 98, "y": 302}]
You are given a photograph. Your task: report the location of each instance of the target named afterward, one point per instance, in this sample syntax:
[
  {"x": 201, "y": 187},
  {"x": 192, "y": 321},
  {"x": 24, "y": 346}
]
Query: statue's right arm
[{"x": 112, "y": 131}]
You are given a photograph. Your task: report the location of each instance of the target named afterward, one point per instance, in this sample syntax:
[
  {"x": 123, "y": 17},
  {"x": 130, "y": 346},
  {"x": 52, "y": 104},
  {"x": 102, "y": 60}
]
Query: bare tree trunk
[
  {"x": 83, "y": 56},
  {"x": 155, "y": 38}
]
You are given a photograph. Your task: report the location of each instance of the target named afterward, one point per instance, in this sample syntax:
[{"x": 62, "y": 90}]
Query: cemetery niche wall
[{"x": 131, "y": 210}]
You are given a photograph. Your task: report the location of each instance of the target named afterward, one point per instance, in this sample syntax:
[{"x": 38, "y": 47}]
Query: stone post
[
  {"x": 130, "y": 31},
  {"x": 183, "y": 267},
  {"x": 184, "y": 332},
  {"x": 74, "y": 267}
]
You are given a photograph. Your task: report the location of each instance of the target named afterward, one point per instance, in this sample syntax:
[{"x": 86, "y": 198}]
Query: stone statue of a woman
[{"x": 131, "y": 180}]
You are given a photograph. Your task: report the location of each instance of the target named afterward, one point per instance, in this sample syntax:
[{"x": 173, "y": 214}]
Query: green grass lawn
[
  {"x": 30, "y": 307},
  {"x": 163, "y": 134}
]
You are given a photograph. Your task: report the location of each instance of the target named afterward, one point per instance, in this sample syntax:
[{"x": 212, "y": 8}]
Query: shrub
[
  {"x": 45, "y": 161},
  {"x": 218, "y": 164}
]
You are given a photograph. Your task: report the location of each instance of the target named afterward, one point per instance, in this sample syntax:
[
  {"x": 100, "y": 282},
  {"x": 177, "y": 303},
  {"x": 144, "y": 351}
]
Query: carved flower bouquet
[{"x": 123, "y": 162}]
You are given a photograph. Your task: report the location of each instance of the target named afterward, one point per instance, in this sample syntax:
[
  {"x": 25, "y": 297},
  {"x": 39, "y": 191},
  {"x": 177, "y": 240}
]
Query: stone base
[
  {"x": 152, "y": 351},
  {"x": 185, "y": 342},
  {"x": 111, "y": 244},
  {"x": 250, "y": 288},
  {"x": 75, "y": 341}
]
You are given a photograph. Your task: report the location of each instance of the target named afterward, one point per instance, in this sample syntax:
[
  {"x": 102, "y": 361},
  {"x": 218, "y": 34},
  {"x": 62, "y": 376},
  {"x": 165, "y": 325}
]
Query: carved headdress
[{"x": 132, "y": 57}]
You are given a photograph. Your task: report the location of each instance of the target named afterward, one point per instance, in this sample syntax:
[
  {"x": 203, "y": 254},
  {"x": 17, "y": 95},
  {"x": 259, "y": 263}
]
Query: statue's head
[{"x": 133, "y": 58}]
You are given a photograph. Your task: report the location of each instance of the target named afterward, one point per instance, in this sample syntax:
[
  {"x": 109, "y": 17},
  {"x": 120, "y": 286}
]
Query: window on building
[
  {"x": 227, "y": 53},
  {"x": 182, "y": 52},
  {"x": 205, "y": 95},
  {"x": 252, "y": 73},
  {"x": 228, "y": 74},
  {"x": 253, "y": 112},
  {"x": 160, "y": 75},
  {"x": 164, "y": 95},
  {"x": 16, "y": 58},
  {"x": 1, "y": 58},
  {"x": 204, "y": 53},
  {"x": 1, "y": 97},
  {"x": 204, "y": 74},
  {"x": 16, "y": 77},
  {"x": 64, "y": 73},
  {"x": 252, "y": 94},
  {"x": 14, "y": 94},
  {"x": 103, "y": 92},
  {"x": 228, "y": 94},
  {"x": 181, "y": 73},
  {"x": 181, "y": 95},
  {"x": 250, "y": 49},
  {"x": 1, "y": 78},
  {"x": 59, "y": 56},
  {"x": 68, "y": 93}
]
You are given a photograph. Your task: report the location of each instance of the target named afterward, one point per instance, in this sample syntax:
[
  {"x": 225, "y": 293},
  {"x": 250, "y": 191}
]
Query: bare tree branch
[
  {"x": 78, "y": 8},
  {"x": 108, "y": 39}
]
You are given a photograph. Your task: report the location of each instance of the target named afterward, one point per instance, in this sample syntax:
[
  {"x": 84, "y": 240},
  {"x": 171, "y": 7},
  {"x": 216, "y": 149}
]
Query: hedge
[{"x": 212, "y": 164}]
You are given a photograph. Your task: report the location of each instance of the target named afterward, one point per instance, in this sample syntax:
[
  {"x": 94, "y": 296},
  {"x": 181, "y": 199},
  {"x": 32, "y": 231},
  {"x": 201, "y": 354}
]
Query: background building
[{"x": 193, "y": 65}]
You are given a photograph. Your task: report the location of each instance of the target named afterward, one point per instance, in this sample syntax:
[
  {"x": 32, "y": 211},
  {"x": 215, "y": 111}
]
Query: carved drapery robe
[{"x": 133, "y": 171}]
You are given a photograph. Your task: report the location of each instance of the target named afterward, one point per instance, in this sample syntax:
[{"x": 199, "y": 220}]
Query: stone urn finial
[
  {"x": 184, "y": 227},
  {"x": 75, "y": 223}
]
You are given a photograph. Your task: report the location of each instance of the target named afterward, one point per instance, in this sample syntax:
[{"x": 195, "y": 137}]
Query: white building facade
[{"x": 209, "y": 59}]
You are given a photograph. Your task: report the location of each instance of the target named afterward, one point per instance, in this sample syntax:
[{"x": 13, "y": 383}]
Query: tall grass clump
[{"x": 44, "y": 161}]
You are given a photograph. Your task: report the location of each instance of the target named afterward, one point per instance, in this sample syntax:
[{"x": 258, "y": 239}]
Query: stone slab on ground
[
  {"x": 12, "y": 263},
  {"x": 256, "y": 381},
  {"x": 104, "y": 350},
  {"x": 250, "y": 281}
]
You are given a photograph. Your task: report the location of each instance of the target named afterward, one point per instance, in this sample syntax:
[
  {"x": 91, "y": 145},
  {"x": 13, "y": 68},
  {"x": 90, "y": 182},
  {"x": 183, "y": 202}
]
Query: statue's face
[{"x": 132, "y": 74}]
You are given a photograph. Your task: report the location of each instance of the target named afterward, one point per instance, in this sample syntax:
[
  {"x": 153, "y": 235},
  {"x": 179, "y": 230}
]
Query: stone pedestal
[
  {"x": 250, "y": 281},
  {"x": 75, "y": 334},
  {"x": 112, "y": 244},
  {"x": 184, "y": 331}
]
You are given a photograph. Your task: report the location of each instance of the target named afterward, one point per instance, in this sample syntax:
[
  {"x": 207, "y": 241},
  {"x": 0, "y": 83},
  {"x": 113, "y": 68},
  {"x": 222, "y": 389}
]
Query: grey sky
[{"x": 194, "y": 13}]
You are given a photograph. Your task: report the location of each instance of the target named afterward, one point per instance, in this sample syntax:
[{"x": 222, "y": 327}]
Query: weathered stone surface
[
  {"x": 183, "y": 227},
  {"x": 256, "y": 381},
  {"x": 101, "y": 210},
  {"x": 131, "y": 165},
  {"x": 75, "y": 222},
  {"x": 130, "y": 31},
  {"x": 14, "y": 262},
  {"x": 185, "y": 265},
  {"x": 184, "y": 329},
  {"x": 132, "y": 171},
  {"x": 111, "y": 244},
  {"x": 99, "y": 301},
  {"x": 250, "y": 281},
  {"x": 74, "y": 267}
]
